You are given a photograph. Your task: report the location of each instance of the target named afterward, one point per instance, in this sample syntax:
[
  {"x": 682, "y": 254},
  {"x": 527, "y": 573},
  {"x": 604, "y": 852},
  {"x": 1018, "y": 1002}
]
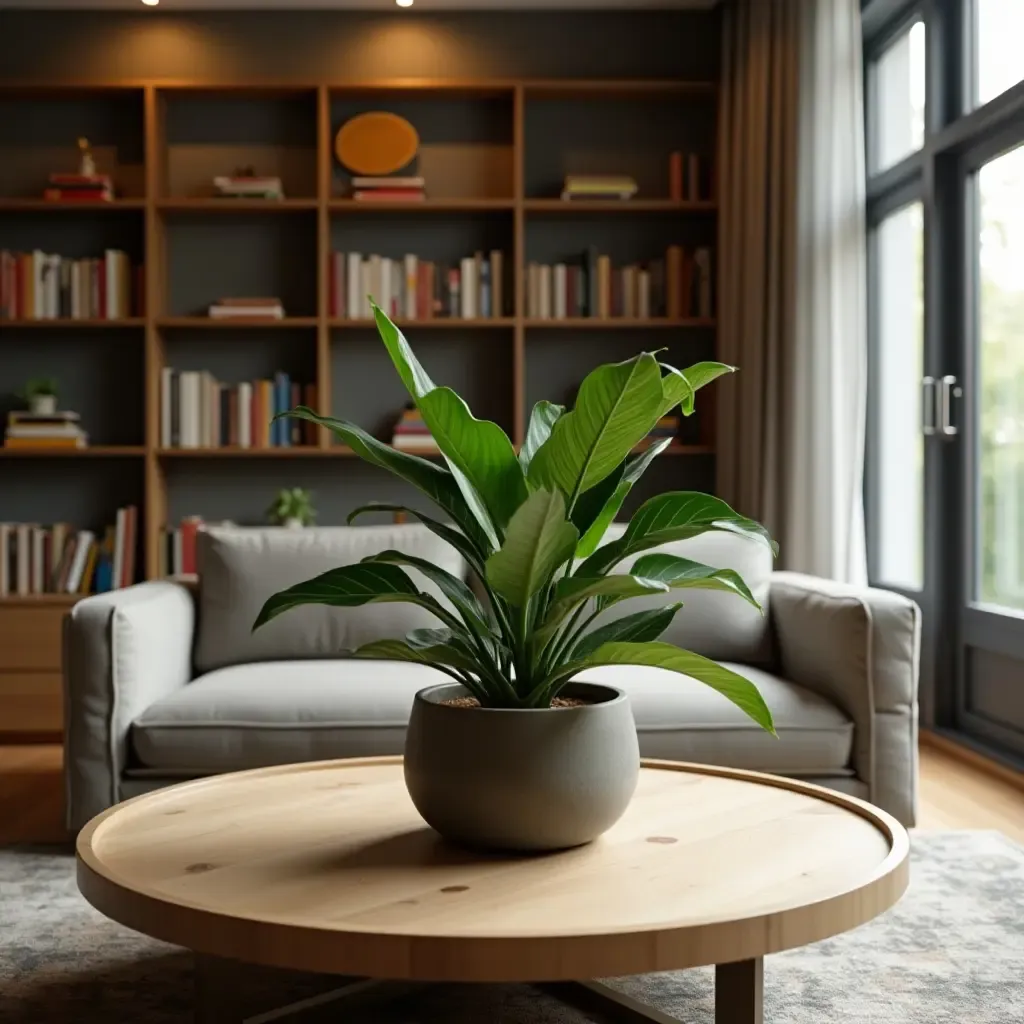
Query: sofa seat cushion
[
  {"x": 247, "y": 716},
  {"x": 680, "y": 719}
]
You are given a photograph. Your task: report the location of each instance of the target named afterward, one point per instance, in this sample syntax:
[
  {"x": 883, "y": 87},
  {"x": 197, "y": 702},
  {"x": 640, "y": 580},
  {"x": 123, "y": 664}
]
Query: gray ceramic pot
[{"x": 513, "y": 779}]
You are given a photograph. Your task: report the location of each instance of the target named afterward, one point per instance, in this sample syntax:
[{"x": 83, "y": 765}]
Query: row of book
[
  {"x": 678, "y": 286},
  {"x": 411, "y": 433},
  {"x": 44, "y": 286},
  {"x": 59, "y": 559},
  {"x": 199, "y": 411},
  {"x": 33, "y": 430},
  {"x": 415, "y": 289}
]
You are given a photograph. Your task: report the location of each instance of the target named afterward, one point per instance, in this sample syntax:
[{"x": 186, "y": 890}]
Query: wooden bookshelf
[{"x": 499, "y": 190}]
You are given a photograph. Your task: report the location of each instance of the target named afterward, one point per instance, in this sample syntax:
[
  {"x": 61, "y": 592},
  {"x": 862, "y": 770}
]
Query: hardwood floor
[{"x": 953, "y": 794}]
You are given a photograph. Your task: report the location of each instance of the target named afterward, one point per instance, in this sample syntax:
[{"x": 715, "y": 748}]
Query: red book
[
  {"x": 189, "y": 528},
  {"x": 309, "y": 429}
]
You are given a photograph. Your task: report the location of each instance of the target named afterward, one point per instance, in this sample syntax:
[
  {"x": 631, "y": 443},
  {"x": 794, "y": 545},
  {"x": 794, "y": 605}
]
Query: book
[
  {"x": 411, "y": 182},
  {"x": 388, "y": 195}
]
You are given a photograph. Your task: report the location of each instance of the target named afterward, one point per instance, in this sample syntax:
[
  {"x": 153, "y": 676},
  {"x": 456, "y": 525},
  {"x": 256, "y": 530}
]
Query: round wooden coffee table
[{"x": 326, "y": 867}]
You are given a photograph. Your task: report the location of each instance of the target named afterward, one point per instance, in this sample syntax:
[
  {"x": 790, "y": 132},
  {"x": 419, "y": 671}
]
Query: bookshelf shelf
[
  {"x": 569, "y": 207},
  {"x": 96, "y": 451},
  {"x": 65, "y": 324},
  {"x": 499, "y": 148},
  {"x": 212, "y": 205},
  {"x": 51, "y": 206},
  {"x": 236, "y": 323}
]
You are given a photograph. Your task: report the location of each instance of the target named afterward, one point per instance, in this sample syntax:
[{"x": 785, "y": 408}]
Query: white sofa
[{"x": 166, "y": 681}]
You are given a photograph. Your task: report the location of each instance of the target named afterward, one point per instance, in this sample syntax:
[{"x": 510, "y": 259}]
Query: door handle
[
  {"x": 948, "y": 390},
  {"x": 928, "y": 406}
]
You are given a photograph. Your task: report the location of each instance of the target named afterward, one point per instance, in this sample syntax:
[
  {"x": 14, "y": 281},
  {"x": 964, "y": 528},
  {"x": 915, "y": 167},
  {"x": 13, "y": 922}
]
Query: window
[
  {"x": 998, "y": 41},
  {"x": 898, "y": 90},
  {"x": 899, "y": 339},
  {"x": 1000, "y": 441}
]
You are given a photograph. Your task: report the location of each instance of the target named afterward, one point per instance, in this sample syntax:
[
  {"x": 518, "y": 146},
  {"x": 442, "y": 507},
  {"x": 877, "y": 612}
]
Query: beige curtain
[{"x": 792, "y": 296}]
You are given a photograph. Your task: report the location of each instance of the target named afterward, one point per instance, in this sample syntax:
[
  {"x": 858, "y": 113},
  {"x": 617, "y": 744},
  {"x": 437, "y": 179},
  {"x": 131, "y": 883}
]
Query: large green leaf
[
  {"x": 478, "y": 451},
  {"x": 543, "y": 417},
  {"x": 680, "y": 386},
  {"x": 350, "y": 586},
  {"x": 610, "y": 509},
  {"x": 456, "y": 590},
  {"x": 457, "y": 540},
  {"x": 742, "y": 692},
  {"x": 401, "y": 650},
  {"x": 434, "y": 481},
  {"x": 538, "y": 540},
  {"x": 638, "y": 628},
  {"x": 616, "y": 407},
  {"x": 570, "y": 591},
  {"x": 683, "y": 572},
  {"x": 674, "y": 515}
]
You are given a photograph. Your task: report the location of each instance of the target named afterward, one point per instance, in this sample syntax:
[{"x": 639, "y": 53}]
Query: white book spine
[
  {"x": 110, "y": 273},
  {"x": 118, "y": 566},
  {"x": 245, "y": 414},
  {"x": 176, "y": 553},
  {"x": 85, "y": 539},
  {"x": 166, "y": 376},
  {"x": 376, "y": 277},
  {"x": 561, "y": 291},
  {"x": 190, "y": 409},
  {"x": 467, "y": 287},
  {"x": 411, "y": 283},
  {"x": 386, "y": 297},
  {"x": 354, "y": 294},
  {"x": 644, "y": 294},
  {"x": 365, "y": 287}
]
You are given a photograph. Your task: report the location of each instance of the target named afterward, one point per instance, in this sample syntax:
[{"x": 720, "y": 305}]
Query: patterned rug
[{"x": 951, "y": 952}]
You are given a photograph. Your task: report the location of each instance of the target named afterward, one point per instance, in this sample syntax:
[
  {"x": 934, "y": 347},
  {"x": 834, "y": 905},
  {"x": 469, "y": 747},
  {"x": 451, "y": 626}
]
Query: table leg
[{"x": 739, "y": 992}]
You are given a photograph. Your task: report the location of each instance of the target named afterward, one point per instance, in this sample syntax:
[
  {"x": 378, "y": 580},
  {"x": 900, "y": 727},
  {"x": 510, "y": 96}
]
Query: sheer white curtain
[{"x": 792, "y": 295}]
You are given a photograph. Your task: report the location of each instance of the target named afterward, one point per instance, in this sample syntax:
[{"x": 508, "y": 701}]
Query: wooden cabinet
[{"x": 31, "y": 656}]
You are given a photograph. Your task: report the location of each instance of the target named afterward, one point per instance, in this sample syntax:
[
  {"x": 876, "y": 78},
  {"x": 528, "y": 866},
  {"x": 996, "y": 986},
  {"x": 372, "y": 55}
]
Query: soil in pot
[{"x": 558, "y": 702}]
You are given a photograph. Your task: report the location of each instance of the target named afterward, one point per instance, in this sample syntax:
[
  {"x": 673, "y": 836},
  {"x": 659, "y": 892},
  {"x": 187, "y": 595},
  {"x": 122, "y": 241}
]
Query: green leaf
[
  {"x": 743, "y": 693},
  {"x": 674, "y": 515},
  {"x": 544, "y": 416},
  {"x": 402, "y": 650},
  {"x": 570, "y": 591},
  {"x": 634, "y": 470},
  {"x": 638, "y": 627},
  {"x": 434, "y": 481},
  {"x": 680, "y": 386},
  {"x": 348, "y": 587},
  {"x": 479, "y": 453},
  {"x": 478, "y": 449},
  {"x": 616, "y": 407},
  {"x": 591, "y": 503},
  {"x": 457, "y": 540},
  {"x": 456, "y": 590},
  {"x": 682, "y": 572},
  {"x": 539, "y": 539}
]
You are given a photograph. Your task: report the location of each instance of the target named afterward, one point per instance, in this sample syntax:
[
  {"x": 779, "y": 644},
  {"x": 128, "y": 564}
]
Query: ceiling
[{"x": 375, "y": 5}]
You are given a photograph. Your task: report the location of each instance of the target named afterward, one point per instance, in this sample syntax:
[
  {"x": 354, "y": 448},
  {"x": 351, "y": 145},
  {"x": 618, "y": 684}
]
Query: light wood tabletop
[{"x": 327, "y": 867}]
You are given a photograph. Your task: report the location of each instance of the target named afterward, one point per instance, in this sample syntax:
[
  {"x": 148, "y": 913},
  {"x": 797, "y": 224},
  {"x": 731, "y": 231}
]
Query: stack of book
[
  {"x": 59, "y": 559},
  {"x": 35, "y": 431},
  {"x": 248, "y": 186},
  {"x": 677, "y": 286},
  {"x": 247, "y": 309},
  {"x": 411, "y": 433},
  {"x": 415, "y": 289},
  {"x": 43, "y": 286},
  {"x": 79, "y": 188},
  {"x": 388, "y": 190},
  {"x": 199, "y": 411},
  {"x": 177, "y": 553},
  {"x": 599, "y": 186}
]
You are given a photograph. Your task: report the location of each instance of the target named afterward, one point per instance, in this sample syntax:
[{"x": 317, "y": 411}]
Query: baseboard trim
[{"x": 961, "y": 751}]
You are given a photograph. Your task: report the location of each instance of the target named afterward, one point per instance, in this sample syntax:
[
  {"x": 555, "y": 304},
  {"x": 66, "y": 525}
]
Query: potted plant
[
  {"x": 40, "y": 394},
  {"x": 293, "y": 508},
  {"x": 513, "y": 753}
]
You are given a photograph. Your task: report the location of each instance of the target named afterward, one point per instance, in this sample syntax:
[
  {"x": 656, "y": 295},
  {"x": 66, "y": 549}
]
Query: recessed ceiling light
[
  {"x": 151, "y": 3},
  {"x": 404, "y": 3}
]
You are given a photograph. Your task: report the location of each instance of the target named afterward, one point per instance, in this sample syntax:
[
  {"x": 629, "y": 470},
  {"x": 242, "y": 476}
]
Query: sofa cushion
[
  {"x": 714, "y": 623},
  {"x": 246, "y": 716},
  {"x": 240, "y": 568}
]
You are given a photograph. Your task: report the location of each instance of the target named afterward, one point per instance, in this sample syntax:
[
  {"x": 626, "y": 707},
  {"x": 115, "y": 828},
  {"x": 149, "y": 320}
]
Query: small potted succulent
[
  {"x": 292, "y": 508},
  {"x": 513, "y": 752},
  {"x": 40, "y": 394}
]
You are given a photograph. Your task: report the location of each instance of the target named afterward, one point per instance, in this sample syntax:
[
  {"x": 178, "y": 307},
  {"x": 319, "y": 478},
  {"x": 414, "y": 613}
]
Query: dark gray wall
[{"x": 307, "y": 45}]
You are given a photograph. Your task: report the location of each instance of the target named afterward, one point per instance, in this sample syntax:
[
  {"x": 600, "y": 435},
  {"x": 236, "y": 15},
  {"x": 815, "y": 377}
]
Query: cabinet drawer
[
  {"x": 30, "y": 638},
  {"x": 31, "y": 702}
]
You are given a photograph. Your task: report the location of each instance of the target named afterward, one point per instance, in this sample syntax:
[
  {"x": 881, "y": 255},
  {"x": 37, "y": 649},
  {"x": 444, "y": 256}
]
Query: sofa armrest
[
  {"x": 859, "y": 647},
  {"x": 123, "y": 650}
]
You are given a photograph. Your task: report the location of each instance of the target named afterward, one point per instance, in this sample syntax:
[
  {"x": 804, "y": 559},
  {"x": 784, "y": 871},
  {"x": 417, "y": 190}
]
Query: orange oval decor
[{"x": 376, "y": 143}]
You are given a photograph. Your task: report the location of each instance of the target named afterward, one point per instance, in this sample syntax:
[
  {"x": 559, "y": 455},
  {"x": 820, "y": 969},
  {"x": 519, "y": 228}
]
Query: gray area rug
[{"x": 951, "y": 952}]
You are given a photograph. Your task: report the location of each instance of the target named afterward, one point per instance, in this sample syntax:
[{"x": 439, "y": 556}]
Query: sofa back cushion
[
  {"x": 714, "y": 623},
  {"x": 240, "y": 568}
]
